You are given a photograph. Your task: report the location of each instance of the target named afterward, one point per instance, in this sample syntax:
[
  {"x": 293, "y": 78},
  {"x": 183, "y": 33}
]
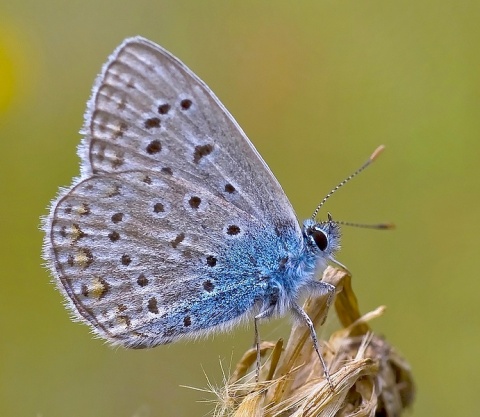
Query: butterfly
[{"x": 176, "y": 227}]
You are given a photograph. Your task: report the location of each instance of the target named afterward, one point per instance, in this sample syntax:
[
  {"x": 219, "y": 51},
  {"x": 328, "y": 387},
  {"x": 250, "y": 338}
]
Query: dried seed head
[{"x": 368, "y": 375}]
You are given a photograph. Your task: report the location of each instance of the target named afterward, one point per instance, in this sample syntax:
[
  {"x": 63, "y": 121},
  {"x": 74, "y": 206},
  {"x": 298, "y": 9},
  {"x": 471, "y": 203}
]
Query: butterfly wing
[
  {"x": 145, "y": 260},
  {"x": 149, "y": 110},
  {"x": 176, "y": 223}
]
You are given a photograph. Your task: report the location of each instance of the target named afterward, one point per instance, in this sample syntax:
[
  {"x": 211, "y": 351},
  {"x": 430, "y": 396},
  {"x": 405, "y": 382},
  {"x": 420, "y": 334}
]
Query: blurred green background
[{"x": 316, "y": 85}]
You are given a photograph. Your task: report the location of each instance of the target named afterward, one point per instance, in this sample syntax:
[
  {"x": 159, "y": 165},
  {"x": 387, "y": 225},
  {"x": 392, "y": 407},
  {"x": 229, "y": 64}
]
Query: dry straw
[{"x": 369, "y": 377}]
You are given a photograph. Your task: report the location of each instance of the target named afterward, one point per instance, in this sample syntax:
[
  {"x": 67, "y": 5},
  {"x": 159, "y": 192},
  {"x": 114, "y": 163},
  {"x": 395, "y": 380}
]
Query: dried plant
[{"x": 369, "y": 377}]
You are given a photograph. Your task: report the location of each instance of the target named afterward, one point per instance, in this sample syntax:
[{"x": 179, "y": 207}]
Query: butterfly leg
[
  {"x": 262, "y": 315},
  {"x": 322, "y": 288},
  {"x": 319, "y": 288}
]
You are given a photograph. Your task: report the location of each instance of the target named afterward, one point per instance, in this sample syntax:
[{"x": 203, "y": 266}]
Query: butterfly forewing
[{"x": 148, "y": 110}]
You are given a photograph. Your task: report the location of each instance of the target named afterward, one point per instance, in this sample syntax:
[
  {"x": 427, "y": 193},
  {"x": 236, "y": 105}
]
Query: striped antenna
[
  {"x": 372, "y": 158},
  {"x": 377, "y": 226}
]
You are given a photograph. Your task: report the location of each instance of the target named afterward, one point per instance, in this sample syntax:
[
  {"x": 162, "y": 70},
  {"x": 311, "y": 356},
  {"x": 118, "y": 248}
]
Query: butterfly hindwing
[{"x": 142, "y": 256}]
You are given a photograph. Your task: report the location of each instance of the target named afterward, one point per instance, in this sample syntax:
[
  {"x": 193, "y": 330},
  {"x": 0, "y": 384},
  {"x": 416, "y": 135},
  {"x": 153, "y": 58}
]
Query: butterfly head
[{"x": 323, "y": 238}]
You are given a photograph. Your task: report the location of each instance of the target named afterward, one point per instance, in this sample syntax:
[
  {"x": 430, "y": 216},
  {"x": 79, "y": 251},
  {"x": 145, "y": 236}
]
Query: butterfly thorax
[{"x": 298, "y": 271}]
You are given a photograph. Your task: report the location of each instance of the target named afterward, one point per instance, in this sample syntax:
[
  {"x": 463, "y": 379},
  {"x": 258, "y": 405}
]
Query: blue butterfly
[{"x": 176, "y": 226}]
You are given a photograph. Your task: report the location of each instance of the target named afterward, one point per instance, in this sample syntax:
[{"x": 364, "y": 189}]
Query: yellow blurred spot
[
  {"x": 8, "y": 81},
  {"x": 20, "y": 62}
]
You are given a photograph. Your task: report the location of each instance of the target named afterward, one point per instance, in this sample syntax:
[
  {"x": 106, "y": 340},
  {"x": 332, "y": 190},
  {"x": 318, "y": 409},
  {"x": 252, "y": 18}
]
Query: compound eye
[{"x": 320, "y": 239}]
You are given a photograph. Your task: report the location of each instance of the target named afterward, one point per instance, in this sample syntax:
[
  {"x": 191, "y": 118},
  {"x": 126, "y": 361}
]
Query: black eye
[{"x": 320, "y": 239}]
